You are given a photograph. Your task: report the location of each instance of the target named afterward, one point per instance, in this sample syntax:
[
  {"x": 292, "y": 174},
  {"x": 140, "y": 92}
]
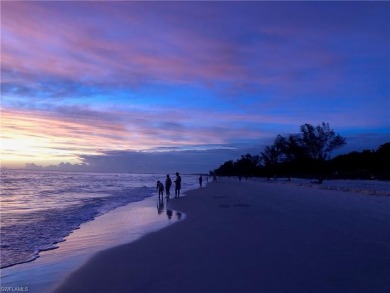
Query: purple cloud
[{"x": 119, "y": 76}]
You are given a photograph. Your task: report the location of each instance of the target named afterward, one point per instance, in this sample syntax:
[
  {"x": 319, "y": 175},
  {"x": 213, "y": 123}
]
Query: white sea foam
[{"x": 39, "y": 209}]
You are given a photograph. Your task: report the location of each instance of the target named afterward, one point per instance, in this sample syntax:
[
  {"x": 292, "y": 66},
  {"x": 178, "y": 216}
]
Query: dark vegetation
[{"x": 307, "y": 154}]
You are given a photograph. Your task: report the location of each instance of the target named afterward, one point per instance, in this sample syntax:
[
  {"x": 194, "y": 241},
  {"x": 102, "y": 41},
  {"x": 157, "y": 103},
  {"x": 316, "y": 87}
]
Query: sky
[{"x": 184, "y": 86}]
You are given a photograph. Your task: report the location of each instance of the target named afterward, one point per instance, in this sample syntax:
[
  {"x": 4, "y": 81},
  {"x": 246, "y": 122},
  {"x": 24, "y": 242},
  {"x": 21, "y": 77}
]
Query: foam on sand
[{"x": 119, "y": 226}]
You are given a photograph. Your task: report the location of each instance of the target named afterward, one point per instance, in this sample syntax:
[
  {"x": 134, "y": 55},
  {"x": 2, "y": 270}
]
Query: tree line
[{"x": 308, "y": 154}]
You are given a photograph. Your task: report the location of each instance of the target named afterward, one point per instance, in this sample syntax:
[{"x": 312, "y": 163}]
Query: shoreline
[
  {"x": 255, "y": 237},
  {"x": 121, "y": 225}
]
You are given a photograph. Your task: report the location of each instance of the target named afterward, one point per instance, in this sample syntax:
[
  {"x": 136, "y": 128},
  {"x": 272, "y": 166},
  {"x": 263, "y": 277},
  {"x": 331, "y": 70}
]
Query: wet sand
[
  {"x": 119, "y": 226},
  {"x": 253, "y": 237}
]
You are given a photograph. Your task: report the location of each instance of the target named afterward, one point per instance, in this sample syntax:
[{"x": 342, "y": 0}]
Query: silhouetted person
[
  {"x": 177, "y": 185},
  {"x": 160, "y": 189},
  {"x": 168, "y": 183},
  {"x": 200, "y": 181}
]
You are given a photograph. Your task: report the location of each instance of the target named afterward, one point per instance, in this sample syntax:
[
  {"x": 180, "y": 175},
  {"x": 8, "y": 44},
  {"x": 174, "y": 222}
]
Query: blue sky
[{"x": 187, "y": 85}]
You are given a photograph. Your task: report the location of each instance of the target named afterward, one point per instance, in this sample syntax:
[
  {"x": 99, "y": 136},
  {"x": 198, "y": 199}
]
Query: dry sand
[{"x": 254, "y": 237}]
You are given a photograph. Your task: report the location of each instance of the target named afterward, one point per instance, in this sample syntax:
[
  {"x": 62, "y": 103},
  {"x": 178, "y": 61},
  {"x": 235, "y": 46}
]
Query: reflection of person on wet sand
[
  {"x": 160, "y": 189},
  {"x": 160, "y": 206},
  {"x": 168, "y": 183},
  {"x": 169, "y": 214},
  {"x": 177, "y": 185}
]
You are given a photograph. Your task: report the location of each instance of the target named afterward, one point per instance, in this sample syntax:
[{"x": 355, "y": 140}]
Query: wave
[{"x": 41, "y": 230}]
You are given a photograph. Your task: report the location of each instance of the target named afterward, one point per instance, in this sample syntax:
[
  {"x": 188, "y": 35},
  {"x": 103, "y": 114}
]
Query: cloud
[
  {"x": 70, "y": 132},
  {"x": 125, "y": 43},
  {"x": 58, "y": 50},
  {"x": 183, "y": 161},
  {"x": 201, "y": 159},
  {"x": 73, "y": 131},
  {"x": 119, "y": 76}
]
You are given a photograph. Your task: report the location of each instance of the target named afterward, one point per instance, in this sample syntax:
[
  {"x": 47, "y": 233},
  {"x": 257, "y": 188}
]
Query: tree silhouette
[
  {"x": 307, "y": 154},
  {"x": 366, "y": 164},
  {"x": 313, "y": 143},
  {"x": 304, "y": 152},
  {"x": 319, "y": 141},
  {"x": 247, "y": 165}
]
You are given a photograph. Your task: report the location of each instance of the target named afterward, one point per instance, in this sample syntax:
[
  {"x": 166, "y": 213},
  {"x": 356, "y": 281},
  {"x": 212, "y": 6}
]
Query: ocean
[
  {"x": 40, "y": 208},
  {"x": 93, "y": 212}
]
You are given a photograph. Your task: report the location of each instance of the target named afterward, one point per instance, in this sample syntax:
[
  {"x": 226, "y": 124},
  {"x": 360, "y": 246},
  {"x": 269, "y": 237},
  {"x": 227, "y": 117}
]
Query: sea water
[{"x": 40, "y": 208}]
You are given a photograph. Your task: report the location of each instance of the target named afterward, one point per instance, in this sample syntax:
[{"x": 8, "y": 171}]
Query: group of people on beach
[{"x": 168, "y": 184}]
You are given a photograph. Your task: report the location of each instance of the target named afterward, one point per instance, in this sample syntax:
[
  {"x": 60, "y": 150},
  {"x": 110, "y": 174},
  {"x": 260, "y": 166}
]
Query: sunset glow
[{"x": 81, "y": 80}]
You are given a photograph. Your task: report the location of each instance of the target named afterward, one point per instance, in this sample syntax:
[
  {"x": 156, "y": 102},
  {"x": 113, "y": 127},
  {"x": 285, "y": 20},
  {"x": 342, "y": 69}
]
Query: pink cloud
[
  {"x": 288, "y": 68},
  {"x": 56, "y": 43},
  {"x": 138, "y": 42}
]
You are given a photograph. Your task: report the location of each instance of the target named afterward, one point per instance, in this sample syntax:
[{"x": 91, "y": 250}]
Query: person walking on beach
[
  {"x": 200, "y": 180},
  {"x": 177, "y": 185},
  {"x": 168, "y": 183},
  {"x": 160, "y": 189}
]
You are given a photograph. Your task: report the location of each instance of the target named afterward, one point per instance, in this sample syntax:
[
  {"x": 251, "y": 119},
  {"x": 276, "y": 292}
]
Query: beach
[
  {"x": 253, "y": 236},
  {"x": 119, "y": 226}
]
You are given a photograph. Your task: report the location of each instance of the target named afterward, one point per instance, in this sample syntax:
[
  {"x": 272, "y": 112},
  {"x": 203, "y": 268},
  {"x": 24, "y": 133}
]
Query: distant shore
[{"x": 253, "y": 236}]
